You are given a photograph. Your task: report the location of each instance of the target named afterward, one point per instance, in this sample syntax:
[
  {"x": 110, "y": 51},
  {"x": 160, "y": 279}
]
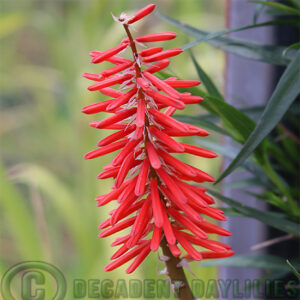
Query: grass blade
[{"x": 208, "y": 83}]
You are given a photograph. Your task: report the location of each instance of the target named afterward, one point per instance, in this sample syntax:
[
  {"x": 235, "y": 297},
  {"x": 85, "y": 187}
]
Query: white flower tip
[{"x": 164, "y": 258}]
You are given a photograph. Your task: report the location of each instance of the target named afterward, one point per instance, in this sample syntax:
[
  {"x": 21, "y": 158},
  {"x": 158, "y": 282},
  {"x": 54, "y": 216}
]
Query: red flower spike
[{"x": 151, "y": 191}]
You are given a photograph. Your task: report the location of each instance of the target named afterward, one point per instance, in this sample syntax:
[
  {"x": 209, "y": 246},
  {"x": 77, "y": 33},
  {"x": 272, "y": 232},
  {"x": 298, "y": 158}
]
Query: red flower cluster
[{"x": 150, "y": 183}]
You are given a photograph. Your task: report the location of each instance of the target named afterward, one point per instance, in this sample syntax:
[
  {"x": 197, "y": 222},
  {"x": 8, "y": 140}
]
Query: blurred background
[{"x": 46, "y": 188}]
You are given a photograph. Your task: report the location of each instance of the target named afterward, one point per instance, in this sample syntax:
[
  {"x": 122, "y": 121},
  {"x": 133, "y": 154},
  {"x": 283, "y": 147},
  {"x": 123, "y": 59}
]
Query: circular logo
[{"x": 33, "y": 281}]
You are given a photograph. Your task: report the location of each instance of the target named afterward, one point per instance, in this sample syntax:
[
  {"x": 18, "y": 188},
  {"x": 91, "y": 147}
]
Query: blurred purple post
[{"x": 248, "y": 83}]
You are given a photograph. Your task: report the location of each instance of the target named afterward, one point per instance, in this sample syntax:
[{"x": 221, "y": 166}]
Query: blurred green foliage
[{"x": 46, "y": 188}]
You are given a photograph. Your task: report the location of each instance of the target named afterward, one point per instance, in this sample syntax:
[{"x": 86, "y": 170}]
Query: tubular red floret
[
  {"x": 109, "y": 53},
  {"x": 142, "y": 13},
  {"x": 163, "y": 55},
  {"x": 156, "y": 37},
  {"x": 150, "y": 51}
]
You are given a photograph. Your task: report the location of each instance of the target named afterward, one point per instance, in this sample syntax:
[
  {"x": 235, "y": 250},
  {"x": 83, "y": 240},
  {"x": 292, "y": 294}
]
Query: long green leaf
[
  {"x": 279, "y": 6},
  {"x": 296, "y": 3},
  {"x": 208, "y": 83},
  {"x": 263, "y": 216},
  {"x": 267, "y": 53},
  {"x": 239, "y": 122},
  {"x": 293, "y": 269},
  {"x": 283, "y": 96}
]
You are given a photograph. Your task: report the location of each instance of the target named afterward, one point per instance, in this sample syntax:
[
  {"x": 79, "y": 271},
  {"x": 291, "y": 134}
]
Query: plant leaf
[
  {"x": 263, "y": 216},
  {"x": 267, "y": 53},
  {"x": 258, "y": 9},
  {"x": 208, "y": 83},
  {"x": 293, "y": 269},
  {"x": 279, "y": 6},
  {"x": 293, "y": 46},
  {"x": 239, "y": 122},
  {"x": 283, "y": 96}
]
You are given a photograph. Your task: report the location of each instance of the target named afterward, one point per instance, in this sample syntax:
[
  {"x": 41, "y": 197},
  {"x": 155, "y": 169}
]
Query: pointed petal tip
[{"x": 106, "y": 268}]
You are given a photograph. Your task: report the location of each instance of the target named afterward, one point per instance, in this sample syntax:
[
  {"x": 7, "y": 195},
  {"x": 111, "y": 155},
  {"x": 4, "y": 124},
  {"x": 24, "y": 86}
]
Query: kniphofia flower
[{"x": 153, "y": 191}]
